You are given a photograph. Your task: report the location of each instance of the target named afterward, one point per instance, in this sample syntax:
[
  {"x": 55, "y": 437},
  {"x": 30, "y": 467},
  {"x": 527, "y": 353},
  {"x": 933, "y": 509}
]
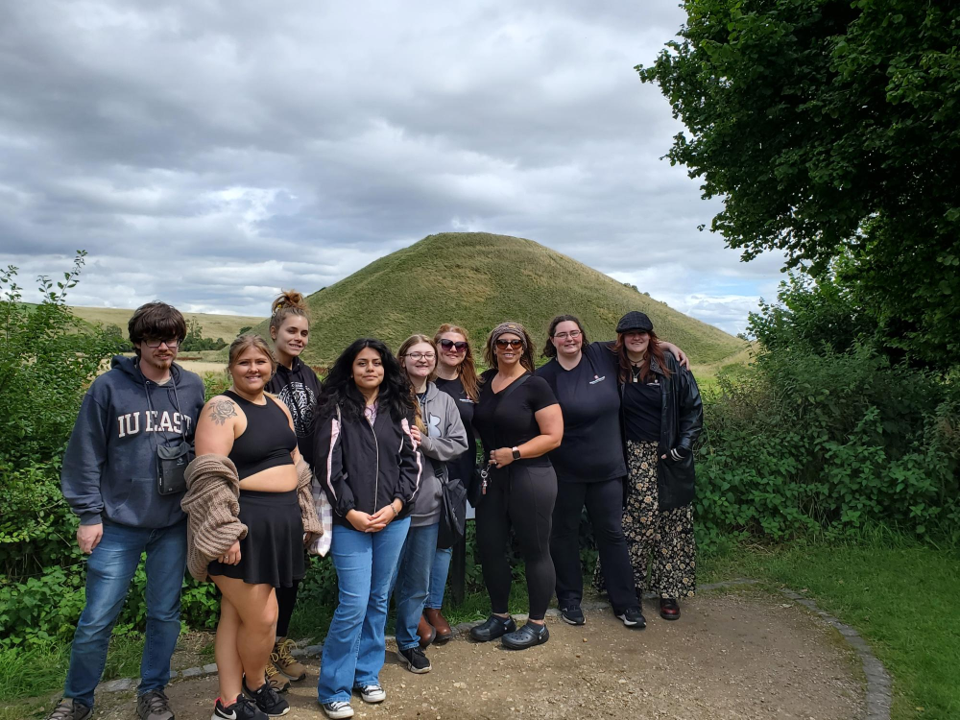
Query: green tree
[{"x": 831, "y": 129}]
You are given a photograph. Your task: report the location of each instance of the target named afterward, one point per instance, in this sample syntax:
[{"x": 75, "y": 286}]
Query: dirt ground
[{"x": 741, "y": 655}]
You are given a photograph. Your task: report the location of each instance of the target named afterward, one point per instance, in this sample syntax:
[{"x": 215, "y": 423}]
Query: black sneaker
[
  {"x": 529, "y": 635},
  {"x": 572, "y": 615},
  {"x": 633, "y": 618},
  {"x": 415, "y": 660},
  {"x": 70, "y": 709},
  {"x": 267, "y": 699},
  {"x": 242, "y": 709},
  {"x": 492, "y": 628}
]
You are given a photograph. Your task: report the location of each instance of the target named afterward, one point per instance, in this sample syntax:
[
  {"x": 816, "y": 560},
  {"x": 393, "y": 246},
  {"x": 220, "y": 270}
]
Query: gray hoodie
[
  {"x": 110, "y": 466},
  {"x": 445, "y": 439}
]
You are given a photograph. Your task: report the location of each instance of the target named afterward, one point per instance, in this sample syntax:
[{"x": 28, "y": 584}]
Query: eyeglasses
[
  {"x": 504, "y": 343},
  {"x": 171, "y": 344},
  {"x": 421, "y": 356},
  {"x": 572, "y": 334},
  {"x": 448, "y": 345}
]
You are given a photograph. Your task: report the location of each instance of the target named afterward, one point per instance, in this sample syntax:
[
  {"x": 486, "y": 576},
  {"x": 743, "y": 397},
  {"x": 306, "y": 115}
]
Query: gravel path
[{"x": 740, "y": 656}]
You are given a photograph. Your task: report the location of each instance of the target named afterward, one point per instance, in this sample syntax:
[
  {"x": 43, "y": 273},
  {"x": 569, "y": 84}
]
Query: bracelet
[{"x": 392, "y": 507}]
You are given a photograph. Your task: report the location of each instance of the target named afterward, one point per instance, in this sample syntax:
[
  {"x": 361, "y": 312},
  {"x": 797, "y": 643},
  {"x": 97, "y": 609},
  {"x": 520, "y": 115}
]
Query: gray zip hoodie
[
  {"x": 445, "y": 439},
  {"x": 110, "y": 466}
]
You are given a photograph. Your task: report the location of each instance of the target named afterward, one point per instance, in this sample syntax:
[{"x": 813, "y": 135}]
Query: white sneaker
[
  {"x": 337, "y": 710},
  {"x": 372, "y": 694}
]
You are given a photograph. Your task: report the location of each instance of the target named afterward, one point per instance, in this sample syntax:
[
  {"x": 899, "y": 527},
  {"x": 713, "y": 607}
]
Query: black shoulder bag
[
  {"x": 481, "y": 474},
  {"x": 453, "y": 508},
  {"x": 172, "y": 460}
]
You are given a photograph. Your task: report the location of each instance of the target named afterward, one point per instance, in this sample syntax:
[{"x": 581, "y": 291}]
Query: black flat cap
[{"x": 635, "y": 321}]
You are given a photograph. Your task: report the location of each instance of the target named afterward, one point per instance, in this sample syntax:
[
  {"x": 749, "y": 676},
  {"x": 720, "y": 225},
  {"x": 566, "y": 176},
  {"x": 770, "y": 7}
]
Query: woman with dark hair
[
  {"x": 519, "y": 422},
  {"x": 662, "y": 417},
  {"x": 250, "y": 510},
  {"x": 590, "y": 469},
  {"x": 369, "y": 466},
  {"x": 296, "y": 385},
  {"x": 456, "y": 375},
  {"x": 440, "y": 436}
]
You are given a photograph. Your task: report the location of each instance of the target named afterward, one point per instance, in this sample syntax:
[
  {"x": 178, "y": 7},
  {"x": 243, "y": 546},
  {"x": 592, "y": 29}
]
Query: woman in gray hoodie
[{"x": 442, "y": 437}]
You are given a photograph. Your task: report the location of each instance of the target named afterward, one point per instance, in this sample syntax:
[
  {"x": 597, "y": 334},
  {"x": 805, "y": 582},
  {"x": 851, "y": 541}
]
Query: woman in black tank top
[{"x": 255, "y": 431}]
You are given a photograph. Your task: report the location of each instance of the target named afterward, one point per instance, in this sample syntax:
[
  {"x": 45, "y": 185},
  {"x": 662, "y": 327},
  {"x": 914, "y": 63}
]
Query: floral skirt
[{"x": 660, "y": 541}]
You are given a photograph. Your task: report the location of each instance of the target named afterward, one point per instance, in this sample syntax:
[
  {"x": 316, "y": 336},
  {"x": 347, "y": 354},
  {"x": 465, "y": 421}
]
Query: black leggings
[
  {"x": 521, "y": 496},
  {"x": 286, "y": 599},
  {"x": 604, "y": 501}
]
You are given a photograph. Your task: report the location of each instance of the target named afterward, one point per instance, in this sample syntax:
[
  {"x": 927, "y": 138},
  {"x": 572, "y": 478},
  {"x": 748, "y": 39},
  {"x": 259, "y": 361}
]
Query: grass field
[
  {"x": 212, "y": 326},
  {"x": 478, "y": 280}
]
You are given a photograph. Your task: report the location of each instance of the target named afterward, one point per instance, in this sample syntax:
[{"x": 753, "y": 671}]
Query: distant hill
[
  {"x": 478, "y": 280},
  {"x": 212, "y": 326}
]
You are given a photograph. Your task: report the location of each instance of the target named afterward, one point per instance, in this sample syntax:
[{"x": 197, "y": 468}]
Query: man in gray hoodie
[{"x": 141, "y": 409}]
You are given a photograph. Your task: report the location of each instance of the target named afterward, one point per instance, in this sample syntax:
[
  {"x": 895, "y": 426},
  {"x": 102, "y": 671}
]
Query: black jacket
[
  {"x": 364, "y": 468},
  {"x": 298, "y": 389},
  {"x": 681, "y": 421}
]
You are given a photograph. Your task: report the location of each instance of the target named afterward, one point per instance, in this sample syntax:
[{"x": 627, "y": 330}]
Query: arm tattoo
[{"x": 221, "y": 410}]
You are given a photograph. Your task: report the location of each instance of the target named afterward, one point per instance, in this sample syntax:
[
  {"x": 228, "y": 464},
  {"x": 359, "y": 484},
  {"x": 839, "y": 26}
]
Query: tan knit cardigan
[{"x": 212, "y": 506}]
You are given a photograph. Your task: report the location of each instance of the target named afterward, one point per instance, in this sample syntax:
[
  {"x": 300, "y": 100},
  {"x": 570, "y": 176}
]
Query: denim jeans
[
  {"x": 438, "y": 578},
  {"x": 109, "y": 571},
  {"x": 353, "y": 652},
  {"x": 412, "y": 581}
]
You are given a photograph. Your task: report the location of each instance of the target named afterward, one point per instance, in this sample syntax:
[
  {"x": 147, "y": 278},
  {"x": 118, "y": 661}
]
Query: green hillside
[{"x": 478, "y": 280}]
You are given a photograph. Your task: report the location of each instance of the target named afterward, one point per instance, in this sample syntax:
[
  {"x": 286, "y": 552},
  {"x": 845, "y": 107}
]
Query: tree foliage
[{"x": 831, "y": 129}]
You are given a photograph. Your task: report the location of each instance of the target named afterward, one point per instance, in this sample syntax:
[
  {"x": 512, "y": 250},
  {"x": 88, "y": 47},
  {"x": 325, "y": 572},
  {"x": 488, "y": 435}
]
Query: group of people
[{"x": 236, "y": 488}]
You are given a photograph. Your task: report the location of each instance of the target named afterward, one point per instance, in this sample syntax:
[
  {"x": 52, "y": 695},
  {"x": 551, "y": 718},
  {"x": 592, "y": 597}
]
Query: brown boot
[
  {"x": 283, "y": 659},
  {"x": 276, "y": 679},
  {"x": 439, "y": 623},
  {"x": 426, "y": 632}
]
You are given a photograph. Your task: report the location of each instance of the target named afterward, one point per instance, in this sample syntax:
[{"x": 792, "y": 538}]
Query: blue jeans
[
  {"x": 109, "y": 571},
  {"x": 353, "y": 652},
  {"x": 438, "y": 578},
  {"x": 412, "y": 581}
]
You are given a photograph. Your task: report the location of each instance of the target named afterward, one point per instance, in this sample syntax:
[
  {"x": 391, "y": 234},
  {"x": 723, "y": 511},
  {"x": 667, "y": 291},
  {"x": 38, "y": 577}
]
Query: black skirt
[{"x": 272, "y": 551}]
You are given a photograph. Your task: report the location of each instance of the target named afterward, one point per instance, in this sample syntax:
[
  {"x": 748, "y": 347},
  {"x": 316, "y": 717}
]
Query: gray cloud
[{"x": 208, "y": 153}]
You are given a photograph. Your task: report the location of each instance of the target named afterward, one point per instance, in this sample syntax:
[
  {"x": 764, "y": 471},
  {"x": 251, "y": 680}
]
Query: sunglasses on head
[
  {"x": 504, "y": 343},
  {"x": 459, "y": 345}
]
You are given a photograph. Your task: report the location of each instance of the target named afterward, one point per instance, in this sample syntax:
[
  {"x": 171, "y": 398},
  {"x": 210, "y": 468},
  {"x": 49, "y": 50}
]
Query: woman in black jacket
[
  {"x": 368, "y": 464},
  {"x": 662, "y": 418},
  {"x": 295, "y": 384}
]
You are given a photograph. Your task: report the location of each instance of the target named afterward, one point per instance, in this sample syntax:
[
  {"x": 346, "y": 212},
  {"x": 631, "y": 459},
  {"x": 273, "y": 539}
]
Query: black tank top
[{"x": 268, "y": 440}]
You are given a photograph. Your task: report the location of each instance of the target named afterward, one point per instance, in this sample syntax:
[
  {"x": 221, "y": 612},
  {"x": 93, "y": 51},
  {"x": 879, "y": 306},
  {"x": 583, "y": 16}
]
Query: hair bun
[{"x": 288, "y": 299}]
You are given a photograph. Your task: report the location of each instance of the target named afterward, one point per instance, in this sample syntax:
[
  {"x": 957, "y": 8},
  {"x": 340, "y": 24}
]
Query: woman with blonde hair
[
  {"x": 456, "y": 375},
  {"x": 519, "y": 422},
  {"x": 442, "y": 438},
  {"x": 296, "y": 385},
  {"x": 250, "y": 509}
]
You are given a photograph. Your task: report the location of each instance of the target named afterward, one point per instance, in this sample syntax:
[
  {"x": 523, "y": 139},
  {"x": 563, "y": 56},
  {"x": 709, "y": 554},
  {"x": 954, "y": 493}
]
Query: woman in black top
[
  {"x": 296, "y": 385},
  {"x": 590, "y": 468},
  {"x": 519, "y": 422},
  {"x": 662, "y": 417}
]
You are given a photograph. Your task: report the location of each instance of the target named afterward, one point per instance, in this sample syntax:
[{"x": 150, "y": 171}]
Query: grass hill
[
  {"x": 477, "y": 280},
  {"x": 212, "y": 326}
]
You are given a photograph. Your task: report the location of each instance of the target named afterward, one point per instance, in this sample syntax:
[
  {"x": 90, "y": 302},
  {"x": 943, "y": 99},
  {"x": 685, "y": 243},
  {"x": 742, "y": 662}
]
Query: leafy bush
[{"x": 829, "y": 442}]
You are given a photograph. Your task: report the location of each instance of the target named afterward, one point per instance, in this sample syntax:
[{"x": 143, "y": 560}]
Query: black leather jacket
[{"x": 681, "y": 421}]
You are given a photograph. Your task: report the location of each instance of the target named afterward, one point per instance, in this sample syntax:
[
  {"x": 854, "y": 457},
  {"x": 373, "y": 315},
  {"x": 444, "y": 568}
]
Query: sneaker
[
  {"x": 372, "y": 694},
  {"x": 282, "y": 658},
  {"x": 494, "y": 627},
  {"x": 337, "y": 710},
  {"x": 669, "y": 609},
  {"x": 572, "y": 615},
  {"x": 633, "y": 618},
  {"x": 278, "y": 681},
  {"x": 267, "y": 699},
  {"x": 70, "y": 709},
  {"x": 415, "y": 660},
  {"x": 529, "y": 635},
  {"x": 154, "y": 705},
  {"x": 242, "y": 709}
]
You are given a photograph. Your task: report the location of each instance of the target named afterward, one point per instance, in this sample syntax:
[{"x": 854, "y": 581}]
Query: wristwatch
[{"x": 516, "y": 453}]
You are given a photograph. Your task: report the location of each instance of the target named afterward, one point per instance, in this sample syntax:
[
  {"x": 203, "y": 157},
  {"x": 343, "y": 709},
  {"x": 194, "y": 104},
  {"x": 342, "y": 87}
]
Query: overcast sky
[{"x": 207, "y": 153}]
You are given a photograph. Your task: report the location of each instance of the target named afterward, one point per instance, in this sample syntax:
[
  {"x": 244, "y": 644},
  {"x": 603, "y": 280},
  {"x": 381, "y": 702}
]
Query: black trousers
[
  {"x": 604, "y": 501},
  {"x": 521, "y": 496}
]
